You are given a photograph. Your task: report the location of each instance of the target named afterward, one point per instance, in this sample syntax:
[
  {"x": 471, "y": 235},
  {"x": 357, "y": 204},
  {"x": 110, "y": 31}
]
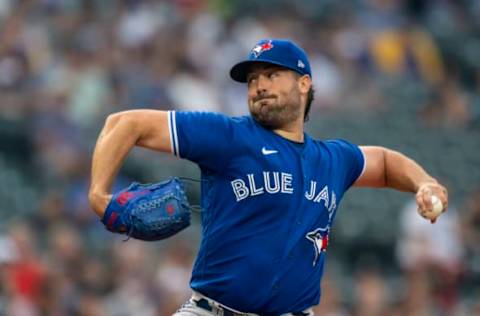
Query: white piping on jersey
[
  {"x": 170, "y": 134},
  {"x": 364, "y": 165},
  {"x": 172, "y": 127}
]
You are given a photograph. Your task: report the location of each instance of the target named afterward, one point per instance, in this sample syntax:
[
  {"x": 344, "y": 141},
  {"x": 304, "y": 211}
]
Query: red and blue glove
[{"x": 149, "y": 211}]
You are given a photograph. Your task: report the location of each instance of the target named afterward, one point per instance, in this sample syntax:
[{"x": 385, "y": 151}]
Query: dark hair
[
  {"x": 308, "y": 104},
  {"x": 310, "y": 97}
]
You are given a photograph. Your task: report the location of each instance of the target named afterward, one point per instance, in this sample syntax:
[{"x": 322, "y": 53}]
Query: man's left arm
[{"x": 386, "y": 168}]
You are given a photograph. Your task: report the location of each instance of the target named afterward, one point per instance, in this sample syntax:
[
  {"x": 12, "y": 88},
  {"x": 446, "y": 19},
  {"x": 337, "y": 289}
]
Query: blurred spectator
[
  {"x": 173, "y": 274},
  {"x": 432, "y": 258},
  {"x": 419, "y": 300},
  {"x": 471, "y": 236},
  {"x": 407, "y": 51},
  {"x": 449, "y": 106},
  {"x": 25, "y": 275},
  {"x": 331, "y": 304},
  {"x": 8, "y": 256},
  {"x": 371, "y": 294},
  {"x": 133, "y": 276}
]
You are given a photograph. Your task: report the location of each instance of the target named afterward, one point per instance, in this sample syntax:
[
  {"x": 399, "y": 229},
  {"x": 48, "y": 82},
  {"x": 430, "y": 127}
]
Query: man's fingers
[
  {"x": 444, "y": 199},
  {"x": 427, "y": 199},
  {"x": 424, "y": 199},
  {"x": 419, "y": 199}
]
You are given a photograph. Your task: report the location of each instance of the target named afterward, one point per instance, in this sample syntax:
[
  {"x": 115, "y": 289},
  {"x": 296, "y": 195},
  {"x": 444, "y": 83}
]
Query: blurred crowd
[{"x": 66, "y": 64}]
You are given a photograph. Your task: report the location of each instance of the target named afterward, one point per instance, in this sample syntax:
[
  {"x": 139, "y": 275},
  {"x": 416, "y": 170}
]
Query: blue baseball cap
[{"x": 284, "y": 53}]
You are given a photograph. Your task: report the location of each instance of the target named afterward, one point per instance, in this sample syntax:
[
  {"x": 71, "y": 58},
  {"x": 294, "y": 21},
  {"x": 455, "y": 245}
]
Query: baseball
[
  {"x": 437, "y": 206},
  {"x": 435, "y": 211}
]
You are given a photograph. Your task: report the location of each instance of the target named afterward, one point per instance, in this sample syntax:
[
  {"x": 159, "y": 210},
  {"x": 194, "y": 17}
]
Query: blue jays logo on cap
[
  {"x": 261, "y": 47},
  {"x": 280, "y": 52}
]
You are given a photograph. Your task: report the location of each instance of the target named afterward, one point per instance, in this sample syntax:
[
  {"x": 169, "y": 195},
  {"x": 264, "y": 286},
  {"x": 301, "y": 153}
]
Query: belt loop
[{"x": 218, "y": 310}]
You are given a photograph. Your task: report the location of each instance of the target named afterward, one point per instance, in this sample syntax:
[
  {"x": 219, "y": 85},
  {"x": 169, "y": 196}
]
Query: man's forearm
[
  {"x": 117, "y": 138},
  {"x": 404, "y": 174}
]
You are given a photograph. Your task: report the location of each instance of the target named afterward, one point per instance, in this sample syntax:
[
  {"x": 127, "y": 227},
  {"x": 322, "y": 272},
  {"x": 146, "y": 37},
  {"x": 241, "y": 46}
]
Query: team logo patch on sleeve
[{"x": 319, "y": 238}]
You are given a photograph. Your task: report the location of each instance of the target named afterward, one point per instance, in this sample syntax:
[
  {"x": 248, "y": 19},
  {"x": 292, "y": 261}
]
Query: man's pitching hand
[{"x": 432, "y": 200}]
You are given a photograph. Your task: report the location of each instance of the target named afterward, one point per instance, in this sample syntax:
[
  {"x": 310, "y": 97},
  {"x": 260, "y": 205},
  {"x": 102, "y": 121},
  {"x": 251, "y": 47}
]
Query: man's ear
[{"x": 304, "y": 83}]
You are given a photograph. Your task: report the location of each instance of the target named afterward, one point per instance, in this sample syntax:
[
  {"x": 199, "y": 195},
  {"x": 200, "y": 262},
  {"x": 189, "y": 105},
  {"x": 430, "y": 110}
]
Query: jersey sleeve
[
  {"x": 350, "y": 159},
  {"x": 202, "y": 137}
]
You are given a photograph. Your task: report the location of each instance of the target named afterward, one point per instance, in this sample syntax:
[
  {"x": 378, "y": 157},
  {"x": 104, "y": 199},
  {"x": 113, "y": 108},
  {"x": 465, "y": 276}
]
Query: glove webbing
[{"x": 153, "y": 205}]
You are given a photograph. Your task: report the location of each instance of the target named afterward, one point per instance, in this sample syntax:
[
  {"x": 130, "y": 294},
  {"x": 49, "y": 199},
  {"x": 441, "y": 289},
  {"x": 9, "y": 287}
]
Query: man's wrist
[
  {"x": 98, "y": 202},
  {"x": 425, "y": 182}
]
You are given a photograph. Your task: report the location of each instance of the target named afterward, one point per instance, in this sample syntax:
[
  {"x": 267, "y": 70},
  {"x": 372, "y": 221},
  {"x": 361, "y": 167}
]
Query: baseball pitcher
[{"x": 270, "y": 192}]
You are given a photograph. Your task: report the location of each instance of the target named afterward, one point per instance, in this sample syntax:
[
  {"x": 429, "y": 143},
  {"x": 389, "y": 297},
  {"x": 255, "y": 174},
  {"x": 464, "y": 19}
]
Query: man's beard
[{"x": 273, "y": 115}]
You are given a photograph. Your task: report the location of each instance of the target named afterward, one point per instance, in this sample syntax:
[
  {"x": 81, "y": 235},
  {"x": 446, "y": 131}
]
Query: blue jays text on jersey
[{"x": 268, "y": 205}]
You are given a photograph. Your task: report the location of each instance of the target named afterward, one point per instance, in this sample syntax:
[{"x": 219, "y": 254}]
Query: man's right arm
[{"x": 121, "y": 132}]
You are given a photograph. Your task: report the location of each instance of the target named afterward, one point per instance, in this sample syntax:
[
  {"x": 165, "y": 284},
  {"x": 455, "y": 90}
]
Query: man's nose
[{"x": 262, "y": 84}]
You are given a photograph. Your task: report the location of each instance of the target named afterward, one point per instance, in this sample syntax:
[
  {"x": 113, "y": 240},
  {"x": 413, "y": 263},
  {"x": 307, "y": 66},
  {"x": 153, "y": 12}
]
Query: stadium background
[{"x": 401, "y": 74}]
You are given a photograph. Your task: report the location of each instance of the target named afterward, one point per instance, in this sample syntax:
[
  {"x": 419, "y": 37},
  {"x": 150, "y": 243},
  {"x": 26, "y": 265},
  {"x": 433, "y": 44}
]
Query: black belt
[{"x": 204, "y": 304}]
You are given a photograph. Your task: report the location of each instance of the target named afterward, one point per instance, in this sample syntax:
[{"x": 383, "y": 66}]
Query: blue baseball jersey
[{"x": 268, "y": 206}]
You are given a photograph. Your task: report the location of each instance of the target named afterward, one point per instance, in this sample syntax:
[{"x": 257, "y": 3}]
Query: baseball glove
[{"x": 149, "y": 211}]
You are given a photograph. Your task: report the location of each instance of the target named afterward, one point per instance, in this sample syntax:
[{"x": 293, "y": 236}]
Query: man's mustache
[{"x": 261, "y": 97}]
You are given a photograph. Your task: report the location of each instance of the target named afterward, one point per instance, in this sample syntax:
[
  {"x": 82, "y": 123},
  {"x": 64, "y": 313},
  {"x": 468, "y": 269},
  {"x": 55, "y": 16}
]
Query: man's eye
[{"x": 274, "y": 74}]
